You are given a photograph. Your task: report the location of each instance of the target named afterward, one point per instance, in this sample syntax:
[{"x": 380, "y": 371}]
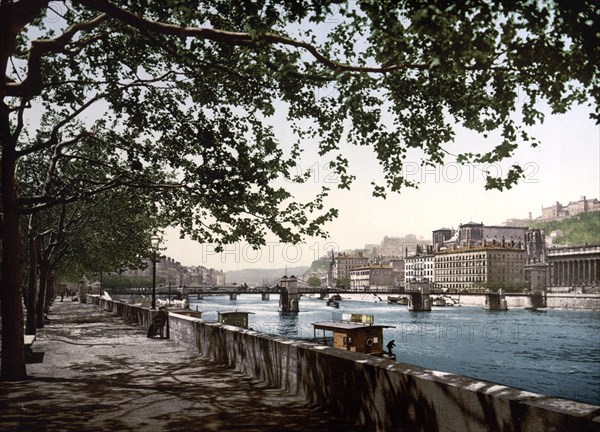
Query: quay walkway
[{"x": 101, "y": 374}]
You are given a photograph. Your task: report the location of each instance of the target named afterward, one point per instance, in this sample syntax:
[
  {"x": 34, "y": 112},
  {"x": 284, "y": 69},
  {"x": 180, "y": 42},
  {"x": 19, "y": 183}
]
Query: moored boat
[
  {"x": 439, "y": 301},
  {"x": 397, "y": 300},
  {"x": 332, "y": 303}
]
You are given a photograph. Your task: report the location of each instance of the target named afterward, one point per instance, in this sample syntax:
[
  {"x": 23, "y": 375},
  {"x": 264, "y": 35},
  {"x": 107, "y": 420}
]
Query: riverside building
[
  {"x": 480, "y": 267},
  {"x": 477, "y": 234},
  {"x": 419, "y": 267},
  {"x": 373, "y": 276},
  {"x": 343, "y": 263}
]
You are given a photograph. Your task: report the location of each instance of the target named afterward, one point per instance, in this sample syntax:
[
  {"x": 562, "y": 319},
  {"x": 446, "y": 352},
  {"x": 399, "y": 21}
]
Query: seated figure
[{"x": 158, "y": 323}]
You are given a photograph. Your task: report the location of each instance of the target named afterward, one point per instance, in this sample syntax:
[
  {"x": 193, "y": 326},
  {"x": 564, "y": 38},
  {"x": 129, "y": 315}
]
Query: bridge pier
[
  {"x": 495, "y": 301},
  {"x": 265, "y": 296},
  {"x": 232, "y": 296},
  {"x": 538, "y": 300},
  {"x": 289, "y": 297},
  {"x": 419, "y": 301}
]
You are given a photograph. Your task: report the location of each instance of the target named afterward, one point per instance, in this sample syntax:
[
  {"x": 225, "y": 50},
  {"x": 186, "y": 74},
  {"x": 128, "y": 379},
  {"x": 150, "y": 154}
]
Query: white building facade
[{"x": 419, "y": 268}]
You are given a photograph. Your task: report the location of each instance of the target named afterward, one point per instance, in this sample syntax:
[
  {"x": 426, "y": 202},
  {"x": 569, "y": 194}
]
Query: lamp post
[
  {"x": 169, "y": 298},
  {"x": 155, "y": 241}
]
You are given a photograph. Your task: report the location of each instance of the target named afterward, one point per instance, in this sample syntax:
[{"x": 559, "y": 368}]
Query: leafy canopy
[{"x": 176, "y": 97}]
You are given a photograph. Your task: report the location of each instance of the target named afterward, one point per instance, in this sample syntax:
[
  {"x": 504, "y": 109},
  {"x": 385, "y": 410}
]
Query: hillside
[
  {"x": 320, "y": 265},
  {"x": 577, "y": 230}
]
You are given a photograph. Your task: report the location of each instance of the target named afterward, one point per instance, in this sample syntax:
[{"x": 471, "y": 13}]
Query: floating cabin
[
  {"x": 356, "y": 333},
  {"x": 234, "y": 318}
]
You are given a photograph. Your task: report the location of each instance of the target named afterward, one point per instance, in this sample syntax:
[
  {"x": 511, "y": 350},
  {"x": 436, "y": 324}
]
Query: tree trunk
[
  {"x": 42, "y": 293},
  {"x": 32, "y": 279},
  {"x": 14, "y": 16},
  {"x": 13, "y": 356},
  {"x": 50, "y": 294}
]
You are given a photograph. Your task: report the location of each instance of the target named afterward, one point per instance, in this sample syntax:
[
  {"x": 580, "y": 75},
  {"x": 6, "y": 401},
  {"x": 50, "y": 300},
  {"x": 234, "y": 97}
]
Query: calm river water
[{"x": 553, "y": 352}]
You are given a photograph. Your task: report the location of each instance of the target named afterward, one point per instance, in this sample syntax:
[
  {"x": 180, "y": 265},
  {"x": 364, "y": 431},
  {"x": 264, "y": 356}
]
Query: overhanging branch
[
  {"x": 38, "y": 203},
  {"x": 53, "y": 141},
  {"x": 32, "y": 84},
  {"x": 235, "y": 38}
]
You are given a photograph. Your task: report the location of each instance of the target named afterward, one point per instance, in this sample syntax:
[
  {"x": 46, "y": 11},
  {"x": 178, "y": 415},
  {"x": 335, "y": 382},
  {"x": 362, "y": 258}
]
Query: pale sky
[{"x": 565, "y": 167}]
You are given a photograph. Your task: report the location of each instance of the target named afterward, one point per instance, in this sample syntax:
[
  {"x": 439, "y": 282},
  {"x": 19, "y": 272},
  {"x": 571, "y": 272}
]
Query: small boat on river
[
  {"x": 442, "y": 301},
  {"x": 332, "y": 303},
  {"x": 398, "y": 300}
]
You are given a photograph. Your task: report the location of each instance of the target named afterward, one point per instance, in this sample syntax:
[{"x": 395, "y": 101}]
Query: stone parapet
[{"x": 378, "y": 393}]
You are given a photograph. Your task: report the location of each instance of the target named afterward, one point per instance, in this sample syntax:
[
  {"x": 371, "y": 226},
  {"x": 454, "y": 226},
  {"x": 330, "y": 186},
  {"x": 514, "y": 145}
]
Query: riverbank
[
  {"x": 100, "y": 373},
  {"x": 392, "y": 395},
  {"x": 549, "y": 351}
]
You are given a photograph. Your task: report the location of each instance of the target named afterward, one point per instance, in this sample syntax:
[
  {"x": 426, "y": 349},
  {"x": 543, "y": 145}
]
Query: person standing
[{"x": 391, "y": 344}]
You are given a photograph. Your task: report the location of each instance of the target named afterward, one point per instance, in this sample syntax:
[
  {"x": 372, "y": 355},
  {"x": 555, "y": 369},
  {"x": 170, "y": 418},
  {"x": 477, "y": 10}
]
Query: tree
[
  {"x": 176, "y": 97},
  {"x": 105, "y": 232},
  {"x": 343, "y": 282},
  {"x": 314, "y": 281},
  {"x": 112, "y": 234},
  {"x": 102, "y": 234}
]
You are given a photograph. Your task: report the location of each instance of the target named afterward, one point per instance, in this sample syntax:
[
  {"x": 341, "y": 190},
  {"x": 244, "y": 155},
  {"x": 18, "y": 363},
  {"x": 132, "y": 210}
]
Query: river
[{"x": 550, "y": 351}]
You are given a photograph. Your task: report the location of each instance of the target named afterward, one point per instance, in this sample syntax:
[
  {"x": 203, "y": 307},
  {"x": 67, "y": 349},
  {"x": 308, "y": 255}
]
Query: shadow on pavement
[{"x": 101, "y": 374}]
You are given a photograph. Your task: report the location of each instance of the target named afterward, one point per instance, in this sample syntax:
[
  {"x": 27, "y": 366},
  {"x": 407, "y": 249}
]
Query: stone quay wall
[
  {"x": 380, "y": 394},
  {"x": 573, "y": 301},
  {"x": 512, "y": 301},
  {"x": 553, "y": 300},
  {"x": 131, "y": 313}
]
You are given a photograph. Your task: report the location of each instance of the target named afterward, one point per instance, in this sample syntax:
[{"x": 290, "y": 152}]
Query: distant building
[
  {"x": 168, "y": 271},
  {"x": 559, "y": 211},
  {"x": 480, "y": 256},
  {"x": 477, "y": 234},
  {"x": 395, "y": 246},
  {"x": 480, "y": 267},
  {"x": 343, "y": 263},
  {"x": 574, "y": 266},
  {"x": 398, "y": 270},
  {"x": 216, "y": 277},
  {"x": 420, "y": 266},
  {"x": 441, "y": 237},
  {"x": 173, "y": 273},
  {"x": 372, "y": 276},
  {"x": 195, "y": 276},
  {"x": 536, "y": 266},
  {"x": 514, "y": 222},
  {"x": 535, "y": 246}
]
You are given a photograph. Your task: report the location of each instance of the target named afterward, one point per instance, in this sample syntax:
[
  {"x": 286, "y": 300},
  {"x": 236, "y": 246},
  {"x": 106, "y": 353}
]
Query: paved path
[{"x": 100, "y": 373}]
